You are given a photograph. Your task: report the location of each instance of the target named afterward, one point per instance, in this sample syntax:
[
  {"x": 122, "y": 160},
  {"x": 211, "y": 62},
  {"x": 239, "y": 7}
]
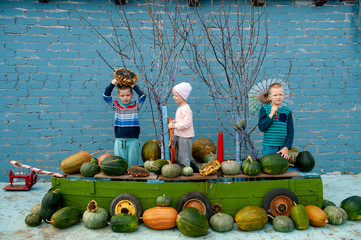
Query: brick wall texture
[{"x": 52, "y": 81}]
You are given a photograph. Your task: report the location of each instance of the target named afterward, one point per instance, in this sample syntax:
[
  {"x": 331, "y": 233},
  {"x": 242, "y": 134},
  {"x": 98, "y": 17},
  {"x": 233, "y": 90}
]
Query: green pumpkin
[
  {"x": 305, "y": 161},
  {"x": 65, "y": 217},
  {"x": 148, "y": 165},
  {"x": 274, "y": 164},
  {"x": 201, "y": 147},
  {"x": 191, "y": 222},
  {"x": 33, "y": 220},
  {"x": 157, "y": 165},
  {"x": 94, "y": 160},
  {"x": 163, "y": 201},
  {"x": 50, "y": 203},
  {"x": 95, "y": 217},
  {"x": 123, "y": 223},
  {"x": 187, "y": 171},
  {"x": 171, "y": 170},
  {"x": 283, "y": 224},
  {"x": 36, "y": 209},
  {"x": 210, "y": 157},
  {"x": 230, "y": 167},
  {"x": 300, "y": 217},
  {"x": 251, "y": 218},
  {"x": 114, "y": 166},
  {"x": 326, "y": 203},
  {"x": 151, "y": 150},
  {"x": 88, "y": 169},
  {"x": 251, "y": 167},
  {"x": 221, "y": 222},
  {"x": 352, "y": 206},
  {"x": 335, "y": 215}
]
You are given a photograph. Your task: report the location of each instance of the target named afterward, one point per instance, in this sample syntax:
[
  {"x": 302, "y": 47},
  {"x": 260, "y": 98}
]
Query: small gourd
[
  {"x": 171, "y": 170},
  {"x": 305, "y": 161},
  {"x": 251, "y": 167},
  {"x": 33, "y": 220},
  {"x": 163, "y": 201},
  {"x": 326, "y": 203},
  {"x": 335, "y": 215},
  {"x": 148, "y": 165},
  {"x": 95, "y": 217},
  {"x": 36, "y": 209},
  {"x": 210, "y": 157},
  {"x": 221, "y": 222},
  {"x": 89, "y": 169},
  {"x": 230, "y": 167},
  {"x": 283, "y": 224},
  {"x": 187, "y": 171}
]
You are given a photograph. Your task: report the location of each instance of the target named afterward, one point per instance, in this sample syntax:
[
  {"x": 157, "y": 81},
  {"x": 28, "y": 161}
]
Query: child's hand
[
  {"x": 284, "y": 152},
  {"x": 274, "y": 110},
  {"x": 114, "y": 81},
  {"x": 171, "y": 125}
]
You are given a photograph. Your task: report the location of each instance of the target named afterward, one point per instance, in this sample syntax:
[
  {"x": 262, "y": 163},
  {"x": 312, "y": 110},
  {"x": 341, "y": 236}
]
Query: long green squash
[
  {"x": 73, "y": 163},
  {"x": 274, "y": 164},
  {"x": 300, "y": 217}
]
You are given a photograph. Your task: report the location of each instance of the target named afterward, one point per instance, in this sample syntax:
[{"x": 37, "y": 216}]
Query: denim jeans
[{"x": 270, "y": 149}]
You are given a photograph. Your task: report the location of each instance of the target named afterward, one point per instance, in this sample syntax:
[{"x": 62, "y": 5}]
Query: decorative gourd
[
  {"x": 230, "y": 167},
  {"x": 65, "y": 217},
  {"x": 300, "y": 217},
  {"x": 151, "y": 150},
  {"x": 95, "y": 217},
  {"x": 101, "y": 157},
  {"x": 318, "y": 218},
  {"x": 114, "y": 166},
  {"x": 201, "y": 147},
  {"x": 335, "y": 215},
  {"x": 210, "y": 157},
  {"x": 160, "y": 217},
  {"x": 36, "y": 209},
  {"x": 352, "y": 205},
  {"x": 251, "y": 218},
  {"x": 251, "y": 167},
  {"x": 148, "y": 164},
  {"x": 187, "y": 171},
  {"x": 157, "y": 165},
  {"x": 33, "y": 220},
  {"x": 326, "y": 203},
  {"x": 50, "y": 203},
  {"x": 191, "y": 222},
  {"x": 283, "y": 224},
  {"x": 89, "y": 169},
  {"x": 305, "y": 161},
  {"x": 73, "y": 163},
  {"x": 292, "y": 154},
  {"x": 274, "y": 164},
  {"x": 171, "y": 170},
  {"x": 163, "y": 201},
  {"x": 124, "y": 223},
  {"x": 221, "y": 222}
]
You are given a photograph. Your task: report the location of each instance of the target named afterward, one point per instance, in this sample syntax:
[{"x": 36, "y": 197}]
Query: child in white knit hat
[{"x": 183, "y": 125}]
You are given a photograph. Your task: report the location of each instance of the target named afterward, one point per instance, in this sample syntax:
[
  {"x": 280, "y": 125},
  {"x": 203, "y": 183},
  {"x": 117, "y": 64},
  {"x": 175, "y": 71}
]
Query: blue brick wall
[{"x": 52, "y": 80}]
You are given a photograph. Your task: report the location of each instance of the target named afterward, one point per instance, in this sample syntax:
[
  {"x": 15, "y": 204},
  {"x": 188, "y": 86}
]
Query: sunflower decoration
[{"x": 125, "y": 77}]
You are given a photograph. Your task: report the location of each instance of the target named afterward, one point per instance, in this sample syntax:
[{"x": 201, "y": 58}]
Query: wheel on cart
[
  {"x": 126, "y": 203},
  {"x": 196, "y": 200},
  {"x": 279, "y": 201}
]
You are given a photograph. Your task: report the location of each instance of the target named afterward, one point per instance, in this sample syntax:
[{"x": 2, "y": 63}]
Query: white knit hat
[{"x": 184, "y": 89}]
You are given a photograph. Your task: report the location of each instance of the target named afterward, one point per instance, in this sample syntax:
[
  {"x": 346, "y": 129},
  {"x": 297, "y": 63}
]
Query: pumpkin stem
[
  {"x": 49, "y": 221},
  {"x": 92, "y": 206},
  {"x": 169, "y": 162},
  {"x": 292, "y": 165},
  {"x": 269, "y": 215},
  {"x": 294, "y": 203},
  {"x": 220, "y": 214},
  {"x": 94, "y": 153},
  {"x": 56, "y": 190}
]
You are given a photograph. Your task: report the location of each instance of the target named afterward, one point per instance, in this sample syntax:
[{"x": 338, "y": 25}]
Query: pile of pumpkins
[{"x": 191, "y": 221}]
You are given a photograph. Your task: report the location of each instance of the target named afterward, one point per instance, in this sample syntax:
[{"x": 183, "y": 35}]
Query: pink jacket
[{"x": 183, "y": 126}]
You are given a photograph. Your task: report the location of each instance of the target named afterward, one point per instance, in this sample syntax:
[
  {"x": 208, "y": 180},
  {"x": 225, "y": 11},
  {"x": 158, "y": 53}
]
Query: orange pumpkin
[
  {"x": 160, "y": 217},
  {"x": 101, "y": 157},
  {"x": 318, "y": 218}
]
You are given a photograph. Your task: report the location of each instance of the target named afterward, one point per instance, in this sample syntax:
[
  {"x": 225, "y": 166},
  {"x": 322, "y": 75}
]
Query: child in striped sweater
[{"x": 276, "y": 122}]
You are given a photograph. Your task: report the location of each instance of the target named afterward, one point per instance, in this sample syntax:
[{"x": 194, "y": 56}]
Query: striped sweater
[
  {"x": 126, "y": 122},
  {"x": 278, "y": 131}
]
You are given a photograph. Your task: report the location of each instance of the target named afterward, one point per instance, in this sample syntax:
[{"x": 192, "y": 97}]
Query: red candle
[{"x": 220, "y": 153}]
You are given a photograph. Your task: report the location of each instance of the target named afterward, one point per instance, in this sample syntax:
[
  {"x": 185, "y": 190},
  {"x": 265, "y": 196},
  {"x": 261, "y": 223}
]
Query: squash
[
  {"x": 191, "y": 222},
  {"x": 300, "y": 217},
  {"x": 113, "y": 166},
  {"x": 163, "y": 201},
  {"x": 95, "y": 217},
  {"x": 160, "y": 218},
  {"x": 50, "y": 203},
  {"x": 326, "y": 203},
  {"x": 274, "y": 164},
  {"x": 251, "y": 218},
  {"x": 33, "y": 220},
  {"x": 93, "y": 160},
  {"x": 36, "y": 209},
  {"x": 151, "y": 150},
  {"x": 73, "y": 163},
  {"x": 352, "y": 206},
  {"x": 201, "y": 147},
  {"x": 335, "y": 215},
  {"x": 171, "y": 170},
  {"x": 318, "y": 218},
  {"x": 157, "y": 165},
  {"x": 124, "y": 223},
  {"x": 305, "y": 161},
  {"x": 187, "y": 171},
  {"x": 283, "y": 224},
  {"x": 251, "y": 167},
  {"x": 210, "y": 157},
  {"x": 148, "y": 164},
  {"x": 101, "y": 157},
  {"x": 221, "y": 222},
  {"x": 292, "y": 154},
  {"x": 230, "y": 167},
  {"x": 65, "y": 217},
  {"x": 88, "y": 169}
]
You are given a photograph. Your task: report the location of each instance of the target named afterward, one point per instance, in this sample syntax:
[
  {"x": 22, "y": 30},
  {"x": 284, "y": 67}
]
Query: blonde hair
[{"x": 274, "y": 85}]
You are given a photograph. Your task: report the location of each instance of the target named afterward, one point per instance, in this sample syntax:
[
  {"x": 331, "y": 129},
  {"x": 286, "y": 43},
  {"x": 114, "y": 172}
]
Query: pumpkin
[
  {"x": 171, "y": 170},
  {"x": 283, "y": 224},
  {"x": 88, "y": 169},
  {"x": 93, "y": 160},
  {"x": 335, "y": 215},
  {"x": 191, "y": 222},
  {"x": 210, "y": 157},
  {"x": 318, "y": 218},
  {"x": 36, "y": 209},
  {"x": 187, "y": 171},
  {"x": 305, "y": 161},
  {"x": 151, "y": 150},
  {"x": 201, "y": 147},
  {"x": 33, "y": 220},
  {"x": 65, "y": 217},
  {"x": 326, "y": 203},
  {"x": 73, "y": 163},
  {"x": 157, "y": 165},
  {"x": 101, "y": 157},
  {"x": 221, "y": 222},
  {"x": 274, "y": 164},
  {"x": 160, "y": 217},
  {"x": 251, "y": 218},
  {"x": 251, "y": 167},
  {"x": 50, "y": 203},
  {"x": 95, "y": 217},
  {"x": 148, "y": 165},
  {"x": 300, "y": 217},
  {"x": 230, "y": 167},
  {"x": 124, "y": 223},
  {"x": 292, "y": 154},
  {"x": 352, "y": 206},
  {"x": 163, "y": 201},
  {"x": 113, "y": 166}
]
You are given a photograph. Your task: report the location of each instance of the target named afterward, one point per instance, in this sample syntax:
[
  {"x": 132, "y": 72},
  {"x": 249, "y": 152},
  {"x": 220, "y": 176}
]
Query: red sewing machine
[{"x": 30, "y": 180}]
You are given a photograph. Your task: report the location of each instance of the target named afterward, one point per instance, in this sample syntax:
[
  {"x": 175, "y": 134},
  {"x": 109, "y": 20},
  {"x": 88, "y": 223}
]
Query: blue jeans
[{"x": 270, "y": 149}]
